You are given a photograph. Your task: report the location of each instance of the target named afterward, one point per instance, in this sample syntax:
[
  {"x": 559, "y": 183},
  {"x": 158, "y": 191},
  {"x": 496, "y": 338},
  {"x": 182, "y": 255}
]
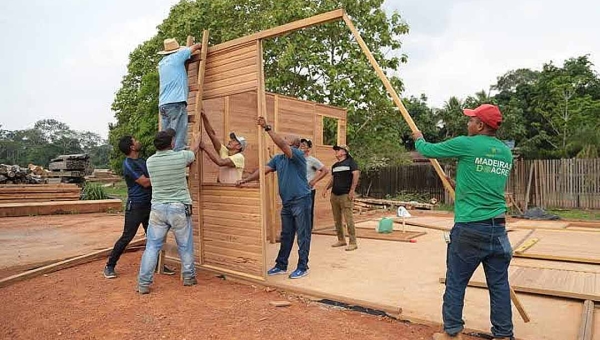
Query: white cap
[{"x": 240, "y": 140}]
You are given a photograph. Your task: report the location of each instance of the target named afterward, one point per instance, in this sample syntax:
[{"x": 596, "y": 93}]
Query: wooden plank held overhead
[
  {"x": 283, "y": 29},
  {"x": 413, "y": 127},
  {"x": 395, "y": 98}
]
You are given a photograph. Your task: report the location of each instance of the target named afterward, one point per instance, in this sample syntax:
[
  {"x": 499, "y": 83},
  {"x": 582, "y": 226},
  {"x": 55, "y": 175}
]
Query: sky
[{"x": 64, "y": 59}]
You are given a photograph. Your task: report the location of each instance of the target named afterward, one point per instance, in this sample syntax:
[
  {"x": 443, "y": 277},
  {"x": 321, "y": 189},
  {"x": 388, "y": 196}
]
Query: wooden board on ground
[
  {"x": 64, "y": 264},
  {"x": 586, "y": 327},
  {"x": 531, "y": 224},
  {"x": 374, "y": 235},
  {"x": 572, "y": 246},
  {"x": 430, "y": 222},
  {"x": 550, "y": 282},
  {"x": 61, "y": 207}
]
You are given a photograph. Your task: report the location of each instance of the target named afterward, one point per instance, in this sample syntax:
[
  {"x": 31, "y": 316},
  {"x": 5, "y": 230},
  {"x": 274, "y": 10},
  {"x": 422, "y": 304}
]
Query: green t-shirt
[
  {"x": 484, "y": 164},
  {"x": 167, "y": 175}
]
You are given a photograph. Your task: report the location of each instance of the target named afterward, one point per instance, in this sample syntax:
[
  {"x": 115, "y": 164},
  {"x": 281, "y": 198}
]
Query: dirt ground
[
  {"x": 78, "y": 303},
  {"x": 32, "y": 241}
]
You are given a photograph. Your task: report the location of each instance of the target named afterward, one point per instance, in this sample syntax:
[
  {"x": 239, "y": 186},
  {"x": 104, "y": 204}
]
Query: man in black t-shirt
[
  {"x": 137, "y": 208},
  {"x": 345, "y": 175}
]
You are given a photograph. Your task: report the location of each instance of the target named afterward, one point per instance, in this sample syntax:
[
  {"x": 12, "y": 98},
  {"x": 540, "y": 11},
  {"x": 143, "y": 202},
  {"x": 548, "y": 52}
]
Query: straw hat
[{"x": 171, "y": 46}]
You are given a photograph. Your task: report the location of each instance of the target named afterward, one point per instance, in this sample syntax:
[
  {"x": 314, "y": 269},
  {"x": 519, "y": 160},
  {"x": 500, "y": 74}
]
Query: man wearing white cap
[
  {"x": 230, "y": 159},
  {"x": 172, "y": 99}
]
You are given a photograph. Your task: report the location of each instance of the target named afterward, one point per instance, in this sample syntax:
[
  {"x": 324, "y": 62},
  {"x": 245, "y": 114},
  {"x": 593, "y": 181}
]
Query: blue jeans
[
  {"x": 165, "y": 216},
  {"x": 471, "y": 244},
  {"x": 295, "y": 218},
  {"x": 174, "y": 115}
]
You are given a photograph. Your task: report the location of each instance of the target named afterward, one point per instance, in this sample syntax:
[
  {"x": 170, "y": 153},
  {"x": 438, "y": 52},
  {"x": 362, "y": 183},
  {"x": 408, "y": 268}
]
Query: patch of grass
[
  {"x": 117, "y": 190},
  {"x": 576, "y": 214},
  {"x": 93, "y": 191},
  {"x": 408, "y": 196}
]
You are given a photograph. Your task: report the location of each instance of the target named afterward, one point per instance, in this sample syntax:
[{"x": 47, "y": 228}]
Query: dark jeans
[
  {"x": 313, "y": 193},
  {"x": 295, "y": 218},
  {"x": 471, "y": 244},
  {"x": 135, "y": 214}
]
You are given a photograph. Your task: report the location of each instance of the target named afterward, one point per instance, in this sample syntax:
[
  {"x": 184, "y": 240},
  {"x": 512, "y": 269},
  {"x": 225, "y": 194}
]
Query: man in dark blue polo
[{"x": 295, "y": 198}]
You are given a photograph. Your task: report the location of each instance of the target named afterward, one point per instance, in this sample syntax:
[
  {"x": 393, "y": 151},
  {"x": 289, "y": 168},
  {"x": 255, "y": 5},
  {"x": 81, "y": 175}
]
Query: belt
[{"x": 492, "y": 221}]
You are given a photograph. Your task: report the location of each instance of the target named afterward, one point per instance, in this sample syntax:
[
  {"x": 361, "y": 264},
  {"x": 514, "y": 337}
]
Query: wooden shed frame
[{"x": 231, "y": 224}]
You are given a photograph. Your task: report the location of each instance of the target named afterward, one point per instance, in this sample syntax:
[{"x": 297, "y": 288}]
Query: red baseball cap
[{"x": 488, "y": 113}]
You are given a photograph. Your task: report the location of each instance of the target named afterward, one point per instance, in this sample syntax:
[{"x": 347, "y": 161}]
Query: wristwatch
[{"x": 268, "y": 128}]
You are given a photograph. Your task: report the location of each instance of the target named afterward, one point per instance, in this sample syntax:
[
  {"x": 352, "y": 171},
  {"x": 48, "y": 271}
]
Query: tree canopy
[
  {"x": 553, "y": 112},
  {"x": 47, "y": 139},
  {"x": 321, "y": 64}
]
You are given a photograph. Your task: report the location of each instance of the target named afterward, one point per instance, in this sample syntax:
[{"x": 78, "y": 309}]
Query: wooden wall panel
[
  {"x": 231, "y": 232},
  {"x": 296, "y": 117},
  {"x": 331, "y": 111},
  {"x": 231, "y": 71},
  {"x": 571, "y": 246}
]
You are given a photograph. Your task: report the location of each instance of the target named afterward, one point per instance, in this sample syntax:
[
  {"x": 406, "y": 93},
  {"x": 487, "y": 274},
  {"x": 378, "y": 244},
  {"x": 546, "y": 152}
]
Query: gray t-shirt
[{"x": 312, "y": 166}]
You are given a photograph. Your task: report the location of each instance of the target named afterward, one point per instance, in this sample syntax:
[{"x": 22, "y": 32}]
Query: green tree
[
  {"x": 48, "y": 139},
  {"x": 549, "y": 110},
  {"x": 321, "y": 63}
]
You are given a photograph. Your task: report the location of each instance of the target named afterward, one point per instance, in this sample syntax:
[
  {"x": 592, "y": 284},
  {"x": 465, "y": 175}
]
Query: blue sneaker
[
  {"x": 276, "y": 271},
  {"x": 298, "y": 273}
]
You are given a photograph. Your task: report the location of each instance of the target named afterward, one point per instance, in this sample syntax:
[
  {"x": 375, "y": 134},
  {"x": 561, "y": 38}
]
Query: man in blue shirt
[
  {"x": 137, "y": 209},
  {"x": 295, "y": 198},
  {"x": 173, "y": 95}
]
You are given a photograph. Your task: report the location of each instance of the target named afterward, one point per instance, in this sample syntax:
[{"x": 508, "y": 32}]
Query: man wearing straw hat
[{"x": 173, "y": 94}]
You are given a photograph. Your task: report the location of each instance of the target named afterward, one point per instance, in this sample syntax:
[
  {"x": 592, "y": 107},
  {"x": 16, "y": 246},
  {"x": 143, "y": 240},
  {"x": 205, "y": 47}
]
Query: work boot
[
  {"x": 351, "y": 247},
  {"x": 168, "y": 271},
  {"x": 143, "y": 289},
  {"x": 446, "y": 336},
  {"x": 109, "y": 272},
  {"x": 190, "y": 281},
  {"x": 339, "y": 244}
]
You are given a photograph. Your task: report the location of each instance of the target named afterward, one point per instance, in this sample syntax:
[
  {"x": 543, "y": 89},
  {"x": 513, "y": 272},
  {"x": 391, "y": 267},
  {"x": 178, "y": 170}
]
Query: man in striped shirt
[{"x": 171, "y": 208}]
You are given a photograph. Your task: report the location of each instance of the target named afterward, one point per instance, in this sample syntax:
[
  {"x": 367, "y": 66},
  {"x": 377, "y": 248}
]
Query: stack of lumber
[
  {"x": 73, "y": 166},
  {"x": 25, "y": 193},
  {"x": 70, "y": 162},
  {"x": 104, "y": 176},
  {"x": 392, "y": 203}
]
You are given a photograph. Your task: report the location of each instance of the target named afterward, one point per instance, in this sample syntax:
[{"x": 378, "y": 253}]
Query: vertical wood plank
[
  {"x": 395, "y": 98},
  {"x": 262, "y": 111},
  {"x": 200, "y": 156}
]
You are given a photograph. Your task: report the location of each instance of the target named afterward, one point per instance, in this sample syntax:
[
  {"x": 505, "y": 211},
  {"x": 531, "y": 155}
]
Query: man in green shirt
[
  {"x": 171, "y": 208},
  {"x": 479, "y": 234}
]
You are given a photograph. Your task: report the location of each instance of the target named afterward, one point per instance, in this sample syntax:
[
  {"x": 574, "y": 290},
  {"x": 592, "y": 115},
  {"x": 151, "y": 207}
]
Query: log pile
[
  {"x": 26, "y": 193},
  {"x": 14, "y": 174}
]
